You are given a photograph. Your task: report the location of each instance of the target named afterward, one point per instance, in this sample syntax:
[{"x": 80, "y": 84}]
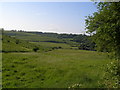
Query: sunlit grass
[{"x": 56, "y": 69}]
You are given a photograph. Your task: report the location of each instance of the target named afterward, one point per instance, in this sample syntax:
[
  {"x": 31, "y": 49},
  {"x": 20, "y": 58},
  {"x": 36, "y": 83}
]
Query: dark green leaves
[{"x": 105, "y": 23}]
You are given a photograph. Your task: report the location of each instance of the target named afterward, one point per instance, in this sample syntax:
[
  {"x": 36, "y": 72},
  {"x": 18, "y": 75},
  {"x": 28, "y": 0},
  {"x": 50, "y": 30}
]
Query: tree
[{"x": 104, "y": 26}]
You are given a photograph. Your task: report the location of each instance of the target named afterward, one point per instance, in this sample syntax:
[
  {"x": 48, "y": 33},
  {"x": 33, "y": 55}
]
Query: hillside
[
  {"x": 11, "y": 44},
  {"x": 73, "y": 40},
  {"x": 33, "y": 37}
]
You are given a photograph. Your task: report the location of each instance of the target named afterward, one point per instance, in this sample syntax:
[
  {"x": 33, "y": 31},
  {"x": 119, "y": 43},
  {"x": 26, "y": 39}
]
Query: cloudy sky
[{"x": 61, "y": 17}]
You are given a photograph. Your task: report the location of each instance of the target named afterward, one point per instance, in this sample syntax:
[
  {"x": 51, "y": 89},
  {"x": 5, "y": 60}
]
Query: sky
[{"x": 58, "y": 17}]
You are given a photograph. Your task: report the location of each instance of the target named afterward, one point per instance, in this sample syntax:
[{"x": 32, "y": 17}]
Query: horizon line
[{"x": 44, "y": 31}]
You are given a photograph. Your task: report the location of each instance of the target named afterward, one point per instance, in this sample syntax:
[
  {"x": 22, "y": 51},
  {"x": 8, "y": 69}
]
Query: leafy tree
[{"x": 104, "y": 26}]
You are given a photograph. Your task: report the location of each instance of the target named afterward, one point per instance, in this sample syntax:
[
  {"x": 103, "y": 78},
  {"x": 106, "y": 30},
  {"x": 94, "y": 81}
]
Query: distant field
[
  {"x": 59, "y": 68},
  {"x": 39, "y": 37},
  {"x": 11, "y": 44},
  {"x": 49, "y": 44},
  {"x": 31, "y": 37}
]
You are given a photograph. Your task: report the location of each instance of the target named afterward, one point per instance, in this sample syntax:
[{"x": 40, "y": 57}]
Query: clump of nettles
[
  {"x": 76, "y": 86},
  {"x": 112, "y": 75}
]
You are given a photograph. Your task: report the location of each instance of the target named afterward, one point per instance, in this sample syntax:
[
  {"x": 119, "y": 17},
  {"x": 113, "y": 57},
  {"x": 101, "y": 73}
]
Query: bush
[
  {"x": 112, "y": 75},
  {"x": 17, "y": 41},
  {"x": 35, "y": 49}
]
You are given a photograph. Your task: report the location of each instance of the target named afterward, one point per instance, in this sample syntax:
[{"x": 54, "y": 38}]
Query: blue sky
[{"x": 61, "y": 17}]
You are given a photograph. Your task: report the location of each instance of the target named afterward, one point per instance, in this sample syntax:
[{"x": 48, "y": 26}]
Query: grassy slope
[
  {"x": 37, "y": 38},
  {"x": 9, "y": 45},
  {"x": 55, "y": 69},
  {"x": 49, "y": 44},
  {"x": 30, "y": 36}
]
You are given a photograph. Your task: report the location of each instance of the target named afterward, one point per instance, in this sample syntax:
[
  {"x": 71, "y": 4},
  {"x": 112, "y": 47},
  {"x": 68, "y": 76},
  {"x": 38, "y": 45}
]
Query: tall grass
[{"x": 56, "y": 69}]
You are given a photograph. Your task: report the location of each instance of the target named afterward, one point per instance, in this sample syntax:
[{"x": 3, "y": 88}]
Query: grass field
[
  {"x": 61, "y": 68},
  {"x": 50, "y": 45},
  {"x": 55, "y": 64}
]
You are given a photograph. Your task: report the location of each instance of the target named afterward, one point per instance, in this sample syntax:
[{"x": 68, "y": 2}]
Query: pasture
[
  {"x": 47, "y": 60},
  {"x": 60, "y": 68}
]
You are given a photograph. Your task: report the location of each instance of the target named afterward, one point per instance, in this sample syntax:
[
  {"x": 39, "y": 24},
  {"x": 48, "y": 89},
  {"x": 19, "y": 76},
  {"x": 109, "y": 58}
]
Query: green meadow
[
  {"x": 54, "y": 69},
  {"x": 53, "y": 65}
]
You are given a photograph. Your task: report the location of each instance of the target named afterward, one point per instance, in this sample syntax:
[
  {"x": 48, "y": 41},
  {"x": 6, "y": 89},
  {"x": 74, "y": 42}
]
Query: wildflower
[{"x": 111, "y": 62}]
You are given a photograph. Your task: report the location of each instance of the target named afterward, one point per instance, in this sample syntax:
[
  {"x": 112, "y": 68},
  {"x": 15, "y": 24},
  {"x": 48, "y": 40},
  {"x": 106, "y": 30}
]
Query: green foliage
[
  {"x": 111, "y": 76},
  {"x": 104, "y": 26},
  {"x": 88, "y": 45}
]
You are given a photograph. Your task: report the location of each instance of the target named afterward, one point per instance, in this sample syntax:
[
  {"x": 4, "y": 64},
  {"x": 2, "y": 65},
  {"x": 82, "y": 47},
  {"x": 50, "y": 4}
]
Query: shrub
[
  {"x": 112, "y": 75},
  {"x": 17, "y": 41},
  {"x": 35, "y": 49}
]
